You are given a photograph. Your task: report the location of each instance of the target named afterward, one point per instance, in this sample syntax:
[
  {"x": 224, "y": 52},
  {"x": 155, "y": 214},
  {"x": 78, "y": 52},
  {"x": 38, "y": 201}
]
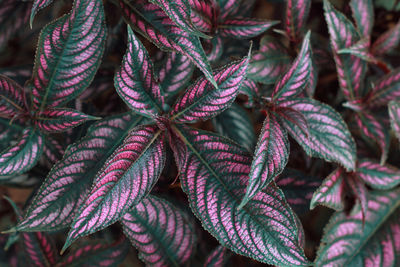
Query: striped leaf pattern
[
  {"x": 135, "y": 81},
  {"x": 329, "y": 138},
  {"x": 363, "y": 14},
  {"x": 296, "y": 17},
  {"x": 13, "y": 17},
  {"x": 125, "y": 179},
  {"x": 330, "y": 192},
  {"x": 244, "y": 28},
  {"x": 394, "y": 114},
  {"x": 217, "y": 257},
  {"x": 361, "y": 50},
  {"x": 60, "y": 119},
  {"x": 68, "y": 54},
  {"x": 385, "y": 89},
  {"x": 67, "y": 184},
  {"x": 388, "y": 41},
  {"x": 202, "y": 101},
  {"x": 270, "y": 156},
  {"x": 163, "y": 234},
  {"x": 378, "y": 176},
  {"x": 214, "y": 173},
  {"x": 38, "y": 5},
  {"x": 349, "y": 241},
  {"x": 21, "y": 157},
  {"x": 251, "y": 90},
  {"x": 297, "y": 76},
  {"x": 11, "y": 98}
]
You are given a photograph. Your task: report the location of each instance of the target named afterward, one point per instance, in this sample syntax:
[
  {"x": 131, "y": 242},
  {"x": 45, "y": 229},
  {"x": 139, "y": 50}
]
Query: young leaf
[
  {"x": 296, "y": 18},
  {"x": 68, "y": 54},
  {"x": 217, "y": 257},
  {"x": 125, "y": 179},
  {"x": 348, "y": 241},
  {"x": 378, "y": 176},
  {"x": 202, "y": 101},
  {"x": 38, "y": 5},
  {"x": 67, "y": 184},
  {"x": 363, "y": 14},
  {"x": 11, "y": 98},
  {"x": 214, "y": 173},
  {"x": 270, "y": 157},
  {"x": 162, "y": 233},
  {"x": 21, "y": 157},
  {"x": 135, "y": 81},
  {"x": 385, "y": 89},
  {"x": 267, "y": 64},
  {"x": 244, "y": 28},
  {"x": 394, "y": 113},
  {"x": 330, "y": 192},
  {"x": 387, "y": 41},
  {"x": 296, "y": 78},
  {"x": 329, "y": 138},
  {"x": 60, "y": 119}
]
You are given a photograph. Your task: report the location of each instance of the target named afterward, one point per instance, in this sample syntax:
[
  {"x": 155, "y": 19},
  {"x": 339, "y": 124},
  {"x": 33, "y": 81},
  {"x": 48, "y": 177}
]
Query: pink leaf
[
  {"x": 378, "y": 176},
  {"x": 385, "y": 89},
  {"x": 296, "y": 18},
  {"x": 217, "y": 257},
  {"x": 11, "y": 98},
  {"x": 244, "y": 28},
  {"x": 330, "y": 192},
  {"x": 394, "y": 114},
  {"x": 38, "y": 5},
  {"x": 388, "y": 41},
  {"x": 363, "y": 14}
]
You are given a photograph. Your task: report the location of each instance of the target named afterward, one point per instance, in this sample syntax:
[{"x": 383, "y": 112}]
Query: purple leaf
[
  {"x": 296, "y": 17},
  {"x": 394, "y": 113},
  {"x": 328, "y": 138},
  {"x": 385, "y": 89},
  {"x": 125, "y": 179},
  {"x": 313, "y": 80},
  {"x": 38, "y": 5},
  {"x": 214, "y": 48},
  {"x": 67, "y": 184},
  {"x": 363, "y": 14},
  {"x": 60, "y": 119},
  {"x": 135, "y": 81},
  {"x": 53, "y": 151},
  {"x": 202, "y": 101},
  {"x": 270, "y": 157},
  {"x": 376, "y": 129},
  {"x": 378, "y": 176},
  {"x": 162, "y": 233},
  {"x": 359, "y": 191},
  {"x": 348, "y": 241},
  {"x": 267, "y": 64},
  {"x": 229, "y": 8},
  {"x": 297, "y": 76},
  {"x": 214, "y": 173},
  {"x": 361, "y": 50},
  {"x": 11, "y": 98},
  {"x": 387, "y": 42},
  {"x": 330, "y": 192},
  {"x": 13, "y": 17},
  {"x": 244, "y": 28},
  {"x": 68, "y": 54},
  {"x": 205, "y": 14},
  {"x": 217, "y": 257},
  {"x": 151, "y": 22},
  {"x": 250, "y": 89},
  {"x": 23, "y": 156},
  {"x": 289, "y": 115}
]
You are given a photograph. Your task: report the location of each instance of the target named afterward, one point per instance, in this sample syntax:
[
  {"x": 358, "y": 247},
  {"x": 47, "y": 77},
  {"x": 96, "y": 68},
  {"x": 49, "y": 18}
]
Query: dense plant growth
[{"x": 219, "y": 130}]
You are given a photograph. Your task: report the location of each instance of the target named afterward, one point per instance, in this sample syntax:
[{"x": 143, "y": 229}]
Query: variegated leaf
[
  {"x": 162, "y": 233},
  {"x": 13, "y": 17},
  {"x": 151, "y": 22},
  {"x": 11, "y": 98},
  {"x": 125, "y": 179},
  {"x": 214, "y": 173},
  {"x": 135, "y": 81},
  {"x": 330, "y": 192},
  {"x": 290, "y": 115},
  {"x": 394, "y": 113},
  {"x": 358, "y": 190},
  {"x": 349, "y": 241},
  {"x": 214, "y": 48},
  {"x": 297, "y": 76},
  {"x": 202, "y": 101},
  {"x": 68, "y": 54},
  {"x": 270, "y": 157},
  {"x": 267, "y": 64},
  {"x": 388, "y": 41},
  {"x": 21, "y": 157},
  {"x": 236, "y": 124},
  {"x": 8, "y": 133},
  {"x": 363, "y": 14},
  {"x": 296, "y": 18},
  {"x": 244, "y": 28},
  {"x": 251, "y": 90},
  {"x": 328, "y": 138},
  {"x": 217, "y": 257},
  {"x": 60, "y": 119},
  {"x": 38, "y": 5},
  {"x": 361, "y": 50},
  {"x": 53, "y": 151},
  {"x": 385, "y": 89},
  {"x": 378, "y": 176},
  {"x": 229, "y": 8},
  {"x": 67, "y": 184}
]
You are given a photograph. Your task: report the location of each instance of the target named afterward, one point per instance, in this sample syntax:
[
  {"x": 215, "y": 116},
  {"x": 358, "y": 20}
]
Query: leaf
[
  {"x": 296, "y": 17},
  {"x": 23, "y": 156},
  {"x": 363, "y": 14},
  {"x": 67, "y": 184},
  {"x": 250, "y": 89},
  {"x": 60, "y": 119},
  {"x": 38, "y": 5},
  {"x": 378, "y": 176},
  {"x": 202, "y": 101},
  {"x": 214, "y": 173},
  {"x": 385, "y": 89},
  {"x": 229, "y": 7},
  {"x": 267, "y": 64},
  {"x": 11, "y": 98},
  {"x": 292, "y": 116},
  {"x": 394, "y": 114},
  {"x": 270, "y": 157},
  {"x": 53, "y": 151},
  {"x": 297, "y": 76},
  {"x": 162, "y": 233},
  {"x": 375, "y": 128},
  {"x": 152, "y": 23},
  {"x": 358, "y": 191},
  {"x": 214, "y": 48},
  {"x": 236, "y": 124},
  {"x": 361, "y": 50},
  {"x": 13, "y": 17},
  {"x": 135, "y": 81},
  {"x": 96, "y": 254},
  {"x": 329, "y": 138},
  {"x": 68, "y": 54},
  {"x": 387, "y": 42},
  {"x": 347, "y": 241},
  {"x": 217, "y": 257},
  {"x": 330, "y": 192},
  {"x": 125, "y": 179},
  {"x": 244, "y": 28}
]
